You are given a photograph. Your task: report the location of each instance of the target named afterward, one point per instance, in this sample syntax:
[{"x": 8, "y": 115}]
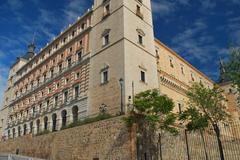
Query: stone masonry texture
[{"x": 106, "y": 140}]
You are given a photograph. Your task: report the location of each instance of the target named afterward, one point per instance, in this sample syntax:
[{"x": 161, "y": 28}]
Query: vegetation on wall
[{"x": 151, "y": 112}]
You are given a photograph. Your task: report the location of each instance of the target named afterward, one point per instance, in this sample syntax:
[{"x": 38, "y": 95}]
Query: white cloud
[
  {"x": 15, "y": 4},
  {"x": 207, "y": 4},
  {"x": 162, "y": 7},
  {"x": 195, "y": 43}
]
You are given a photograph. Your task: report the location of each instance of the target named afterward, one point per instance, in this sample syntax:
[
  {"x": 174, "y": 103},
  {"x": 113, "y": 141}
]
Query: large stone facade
[
  {"x": 79, "y": 72},
  {"x": 104, "y": 140}
]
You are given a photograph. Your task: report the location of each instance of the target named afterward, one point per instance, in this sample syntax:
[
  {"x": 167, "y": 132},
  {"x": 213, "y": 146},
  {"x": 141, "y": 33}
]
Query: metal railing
[{"x": 16, "y": 157}]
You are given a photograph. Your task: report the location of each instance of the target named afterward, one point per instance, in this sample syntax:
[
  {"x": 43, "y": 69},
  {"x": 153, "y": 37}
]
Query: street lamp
[{"x": 121, "y": 81}]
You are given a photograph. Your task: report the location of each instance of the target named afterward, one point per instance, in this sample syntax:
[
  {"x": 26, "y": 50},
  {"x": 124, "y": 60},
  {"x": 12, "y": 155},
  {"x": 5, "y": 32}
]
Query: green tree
[
  {"x": 151, "y": 112},
  {"x": 206, "y": 108},
  {"x": 233, "y": 68}
]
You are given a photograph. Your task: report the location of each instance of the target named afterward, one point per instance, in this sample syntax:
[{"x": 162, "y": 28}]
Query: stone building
[{"x": 101, "y": 60}]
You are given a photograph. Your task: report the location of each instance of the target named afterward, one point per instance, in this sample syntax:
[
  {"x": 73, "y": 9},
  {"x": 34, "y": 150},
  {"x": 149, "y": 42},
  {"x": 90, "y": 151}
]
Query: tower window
[
  {"x": 106, "y": 10},
  {"x": 140, "y": 39},
  {"x": 143, "y": 78},
  {"x": 104, "y": 76},
  {"x": 106, "y": 40},
  {"x": 138, "y": 12}
]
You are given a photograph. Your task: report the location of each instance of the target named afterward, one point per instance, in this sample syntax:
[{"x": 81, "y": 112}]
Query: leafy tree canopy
[{"x": 153, "y": 110}]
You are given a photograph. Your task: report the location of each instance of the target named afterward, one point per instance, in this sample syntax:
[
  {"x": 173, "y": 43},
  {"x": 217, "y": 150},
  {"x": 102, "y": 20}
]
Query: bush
[
  {"x": 88, "y": 120},
  {"x": 43, "y": 133}
]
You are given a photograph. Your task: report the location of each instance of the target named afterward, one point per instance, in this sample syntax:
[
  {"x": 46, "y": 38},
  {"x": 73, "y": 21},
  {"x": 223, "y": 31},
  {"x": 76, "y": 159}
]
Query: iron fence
[{"x": 201, "y": 145}]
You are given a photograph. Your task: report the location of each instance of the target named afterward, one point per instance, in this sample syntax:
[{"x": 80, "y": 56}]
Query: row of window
[
  {"x": 29, "y": 129},
  {"x": 79, "y": 75},
  {"x": 192, "y": 75},
  {"x": 58, "y": 44},
  {"x": 53, "y": 71},
  {"x": 51, "y": 102}
]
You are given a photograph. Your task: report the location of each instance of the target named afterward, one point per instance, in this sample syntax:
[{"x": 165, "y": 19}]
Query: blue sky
[{"x": 201, "y": 31}]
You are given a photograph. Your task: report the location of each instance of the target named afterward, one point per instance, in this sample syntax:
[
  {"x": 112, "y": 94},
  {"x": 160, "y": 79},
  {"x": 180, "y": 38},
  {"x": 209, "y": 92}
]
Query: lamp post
[{"x": 121, "y": 81}]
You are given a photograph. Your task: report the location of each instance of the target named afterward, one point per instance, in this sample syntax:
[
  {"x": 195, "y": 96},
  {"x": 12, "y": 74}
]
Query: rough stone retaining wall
[{"x": 106, "y": 140}]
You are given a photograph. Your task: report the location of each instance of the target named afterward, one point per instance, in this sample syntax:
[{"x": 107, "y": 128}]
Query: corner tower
[{"x": 122, "y": 47}]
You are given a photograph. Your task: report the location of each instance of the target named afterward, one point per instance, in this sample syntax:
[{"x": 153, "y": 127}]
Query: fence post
[{"x": 187, "y": 145}]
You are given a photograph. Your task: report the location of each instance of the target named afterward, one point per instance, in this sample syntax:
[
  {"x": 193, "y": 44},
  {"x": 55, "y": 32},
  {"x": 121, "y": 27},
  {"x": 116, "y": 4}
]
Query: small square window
[
  {"x": 143, "y": 78},
  {"x": 106, "y": 40}
]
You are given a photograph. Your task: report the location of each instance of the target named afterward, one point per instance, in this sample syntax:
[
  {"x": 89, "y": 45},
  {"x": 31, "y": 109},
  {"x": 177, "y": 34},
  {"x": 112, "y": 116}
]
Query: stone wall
[{"x": 106, "y": 140}]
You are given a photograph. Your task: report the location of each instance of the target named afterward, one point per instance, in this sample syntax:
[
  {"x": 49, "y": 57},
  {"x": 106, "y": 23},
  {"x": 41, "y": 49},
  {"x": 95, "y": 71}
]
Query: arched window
[
  {"x": 64, "y": 118},
  {"x": 24, "y": 129},
  {"x": 38, "y": 125},
  {"x": 45, "y": 123},
  {"x": 31, "y": 127},
  {"x": 75, "y": 113},
  {"x": 14, "y": 132},
  {"x": 54, "y": 122},
  {"x": 9, "y": 134},
  {"x": 19, "y": 131}
]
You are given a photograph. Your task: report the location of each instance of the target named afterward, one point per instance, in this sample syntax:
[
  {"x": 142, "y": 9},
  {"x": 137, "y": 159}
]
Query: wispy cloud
[
  {"x": 162, "y": 7},
  {"x": 15, "y": 4},
  {"x": 195, "y": 43}
]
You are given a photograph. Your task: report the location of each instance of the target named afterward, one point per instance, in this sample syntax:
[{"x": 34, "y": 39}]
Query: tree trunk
[
  {"x": 217, "y": 131},
  {"x": 204, "y": 144},
  {"x": 160, "y": 146}
]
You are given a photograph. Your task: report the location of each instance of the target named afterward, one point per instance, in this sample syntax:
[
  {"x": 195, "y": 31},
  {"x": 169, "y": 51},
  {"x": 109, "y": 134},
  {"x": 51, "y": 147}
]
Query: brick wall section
[{"x": 106, "y": 140}]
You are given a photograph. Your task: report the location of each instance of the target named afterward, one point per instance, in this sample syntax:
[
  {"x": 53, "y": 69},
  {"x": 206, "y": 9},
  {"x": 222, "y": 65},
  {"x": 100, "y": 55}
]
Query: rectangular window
[
  {"x": 171, "y": 63},
  {"x": 106, "y": 10},
  {"x": 47, "y": 103},
  {"x": 60, "y": 68},
  {"x": 44, "y": 77},
  {"x": 140, "y": 39},
  {"x": 104, "y": 76},
  {"x": 106, "y": 40},
  {"x": 77, "y": 75},
  {"x": 143, "y": 78},
  {"x": 65, "y": 96},
  {"x": 69, "y": 61},
  {"x": 66, "y": 81},
  {"x": 138, "y": 12},
  {"x": 51, "y": 73},
  {"x": 56, "y": 100},
  {"x": 79, "y": 55},
  {"x": 192, "y": 77},
  {"x": 76, "y": 91},
  {"x": 182, "y": 69}
]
